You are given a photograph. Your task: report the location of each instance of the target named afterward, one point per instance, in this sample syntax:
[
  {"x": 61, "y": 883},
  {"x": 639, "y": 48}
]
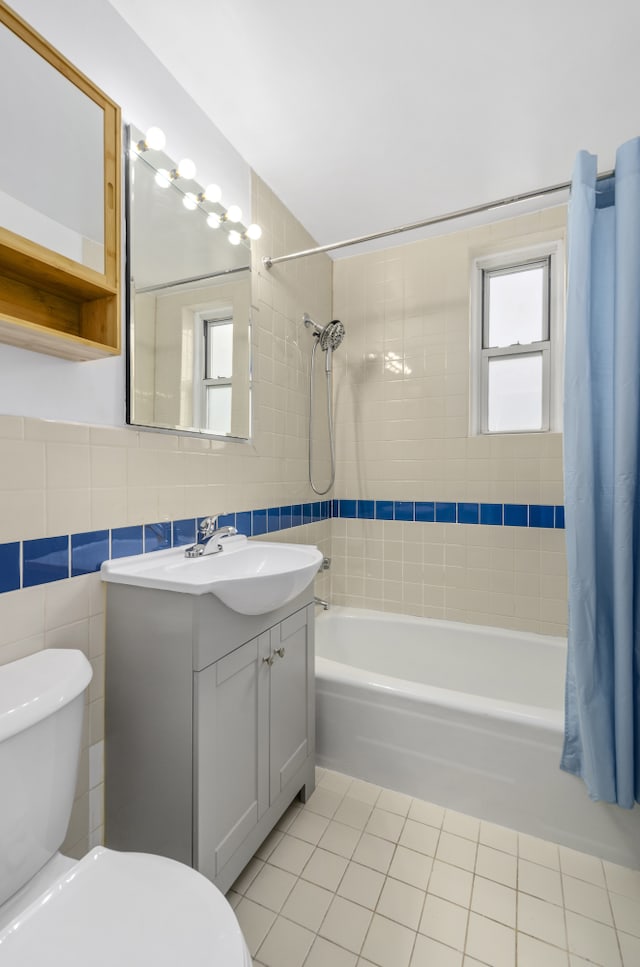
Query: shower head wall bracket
[
  {"x": 310, "y": 324},
  {"x": 329, "y": 336}
]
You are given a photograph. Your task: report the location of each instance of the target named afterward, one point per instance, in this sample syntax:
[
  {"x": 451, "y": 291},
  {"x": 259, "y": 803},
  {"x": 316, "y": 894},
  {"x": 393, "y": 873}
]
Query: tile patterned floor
[{"x": 364, "y": 877}]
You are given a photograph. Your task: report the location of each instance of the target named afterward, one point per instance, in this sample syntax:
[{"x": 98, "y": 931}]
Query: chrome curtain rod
[{"x": 268, "y": 261}]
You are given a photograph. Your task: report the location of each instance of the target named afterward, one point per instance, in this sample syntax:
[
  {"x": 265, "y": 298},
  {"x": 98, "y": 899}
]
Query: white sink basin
[{"x": 251, "y": 577}]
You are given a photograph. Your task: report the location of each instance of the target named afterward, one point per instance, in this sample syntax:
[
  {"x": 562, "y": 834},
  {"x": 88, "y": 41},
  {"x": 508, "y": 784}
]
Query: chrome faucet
[
  {"x": 212, "y": 537},
  {"x": 325, "y": 604}
]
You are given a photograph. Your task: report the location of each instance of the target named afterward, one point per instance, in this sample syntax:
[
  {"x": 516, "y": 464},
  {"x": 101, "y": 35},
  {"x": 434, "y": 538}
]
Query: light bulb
[
  {"x": 163, "y": 178},
  {"x": 155, "y": 139},
  {"x": 213, "y": 193},
  {"x": 213, "y": 220},
  {"x": 235, "y": 237},
  {"x": 190, "y": 201},
  {"x": 234, "y": 214},
  {"x": 186, "y": 169},
  {"x": 254, "y": 232}
]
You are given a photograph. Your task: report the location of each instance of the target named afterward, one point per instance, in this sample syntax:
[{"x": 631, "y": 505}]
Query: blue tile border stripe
[
  {"x": 43, "y": 560},
  {"x": 28, "y": 563},
  {"x": 549, "y": 516}
]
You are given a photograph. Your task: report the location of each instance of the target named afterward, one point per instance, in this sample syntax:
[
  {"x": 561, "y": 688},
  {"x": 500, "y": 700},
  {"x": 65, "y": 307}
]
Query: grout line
[{"x": 386, "y": 877}]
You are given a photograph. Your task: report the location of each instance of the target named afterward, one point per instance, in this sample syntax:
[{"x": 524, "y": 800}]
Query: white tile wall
[{"x": 402, "y": 434}]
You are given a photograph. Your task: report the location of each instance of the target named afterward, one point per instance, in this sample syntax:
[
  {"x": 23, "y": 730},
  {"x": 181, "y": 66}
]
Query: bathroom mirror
[
  {"x": 52, "y": 163},
  {"x": 60, "y": 225},
  {"x": 189, "y": 335}
]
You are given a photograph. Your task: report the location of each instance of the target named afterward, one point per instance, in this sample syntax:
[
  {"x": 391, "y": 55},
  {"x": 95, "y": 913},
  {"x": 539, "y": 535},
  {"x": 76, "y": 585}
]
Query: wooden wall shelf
[{"x": 53, "y": 305}]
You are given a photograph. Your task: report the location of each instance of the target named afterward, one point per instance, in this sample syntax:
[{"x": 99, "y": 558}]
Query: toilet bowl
[{"x": 109, "y": 908}]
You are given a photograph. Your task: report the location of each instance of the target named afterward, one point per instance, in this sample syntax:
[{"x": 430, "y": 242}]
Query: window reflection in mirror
[{"x": 190, "y": 311}]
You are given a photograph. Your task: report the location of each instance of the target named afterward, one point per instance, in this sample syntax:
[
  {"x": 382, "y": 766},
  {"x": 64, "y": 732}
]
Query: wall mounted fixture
[
  {"x": 154, "y": 139},
  {"x": 149, "y": 149}
]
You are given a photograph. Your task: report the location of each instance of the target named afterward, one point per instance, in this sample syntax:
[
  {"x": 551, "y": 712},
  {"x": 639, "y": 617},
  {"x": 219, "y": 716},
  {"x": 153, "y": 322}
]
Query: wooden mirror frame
[{"x": 48, "y": 302}]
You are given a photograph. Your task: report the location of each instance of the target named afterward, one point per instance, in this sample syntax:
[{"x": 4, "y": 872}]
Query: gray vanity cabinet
[
  {"x": 231, "y": 740},
  {"x": 210, "y": 725},
  {"x": 253, "y": 728},
  {"x": 291, "y": 729}
]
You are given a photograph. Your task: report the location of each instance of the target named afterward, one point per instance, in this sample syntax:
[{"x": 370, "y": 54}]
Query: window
[
  {"x": 217, "y": 375},
  {"x": 516, "y": 341}
]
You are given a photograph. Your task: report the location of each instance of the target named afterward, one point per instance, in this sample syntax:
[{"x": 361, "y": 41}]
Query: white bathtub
[{"x": 461, "y": 715}]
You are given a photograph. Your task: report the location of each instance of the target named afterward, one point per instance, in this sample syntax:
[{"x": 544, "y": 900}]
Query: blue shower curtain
[{"x": 602, "y": 479}]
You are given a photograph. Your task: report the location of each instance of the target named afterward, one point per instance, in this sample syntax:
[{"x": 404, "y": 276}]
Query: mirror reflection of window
[
  {"x": 190, "y": 315},
  {"x": 218, "y": 374}
]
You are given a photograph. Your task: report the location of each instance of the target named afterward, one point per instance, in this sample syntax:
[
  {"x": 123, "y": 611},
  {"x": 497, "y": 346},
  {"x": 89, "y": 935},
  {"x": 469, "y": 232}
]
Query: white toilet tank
[{"x": 41, "y": 709}]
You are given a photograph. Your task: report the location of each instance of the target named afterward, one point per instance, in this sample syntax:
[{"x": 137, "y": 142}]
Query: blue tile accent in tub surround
[
  {"x": 348, "y": 508},
  {"x": 491, "y": 514},
  {"x": 516, "y": 515},
  {"x": 445, "y": 513},
  {"x": 450, "y": 512},
  {"x": 47, "y": 559},
  {"x": 366, "y": 509},
  {"x": 425, "y": 511},
  {"x": 541, "y": 515},
  {"x": 384, "y": 510},
  {"x": 468, "y": 513}
]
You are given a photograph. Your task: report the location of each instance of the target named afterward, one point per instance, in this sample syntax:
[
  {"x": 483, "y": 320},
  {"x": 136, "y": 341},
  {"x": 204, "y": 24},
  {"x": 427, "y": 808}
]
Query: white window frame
[
  {"x": 550, "y": 348},
  {"x": 202, "y": 321}
]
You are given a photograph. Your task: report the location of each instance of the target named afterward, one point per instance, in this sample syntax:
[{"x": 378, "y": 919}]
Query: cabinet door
[
  {"x": 291, "y": 681},
  {"x": 231, "y": 752}
]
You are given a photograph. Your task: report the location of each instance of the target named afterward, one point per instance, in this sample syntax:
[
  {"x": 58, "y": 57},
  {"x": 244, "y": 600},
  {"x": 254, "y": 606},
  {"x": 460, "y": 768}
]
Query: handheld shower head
[
  {"x": 332, "y": 335},
  {"x": 329, "y": 336}
]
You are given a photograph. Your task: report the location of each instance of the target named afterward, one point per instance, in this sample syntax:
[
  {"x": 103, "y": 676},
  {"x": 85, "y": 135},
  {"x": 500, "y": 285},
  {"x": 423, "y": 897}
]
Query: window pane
[
  {"x": 516, "y": 307},
  {"x": 219, "y": 350},
  {"x": 219, "y": 409},
  {"x": 515, "y": 393}
]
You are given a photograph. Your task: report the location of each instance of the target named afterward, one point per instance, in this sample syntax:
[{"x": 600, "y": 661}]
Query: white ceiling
[{"x": 365, "y": 115}]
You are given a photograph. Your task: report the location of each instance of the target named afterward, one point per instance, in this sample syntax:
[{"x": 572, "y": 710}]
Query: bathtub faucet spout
[{"x": 325, "y": 604}]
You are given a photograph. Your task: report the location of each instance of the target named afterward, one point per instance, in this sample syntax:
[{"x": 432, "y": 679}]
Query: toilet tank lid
[{"x": 36, "y": 686}]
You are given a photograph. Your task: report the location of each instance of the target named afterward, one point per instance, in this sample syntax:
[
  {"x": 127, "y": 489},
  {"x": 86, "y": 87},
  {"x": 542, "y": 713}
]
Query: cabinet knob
[
  {"x": 280, "y": 651},
  {"x": 270, "y": 660}
]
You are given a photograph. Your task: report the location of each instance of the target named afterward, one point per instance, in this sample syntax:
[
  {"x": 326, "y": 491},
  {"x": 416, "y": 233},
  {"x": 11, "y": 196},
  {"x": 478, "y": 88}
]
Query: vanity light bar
[{"x": 155, "y": 140}]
